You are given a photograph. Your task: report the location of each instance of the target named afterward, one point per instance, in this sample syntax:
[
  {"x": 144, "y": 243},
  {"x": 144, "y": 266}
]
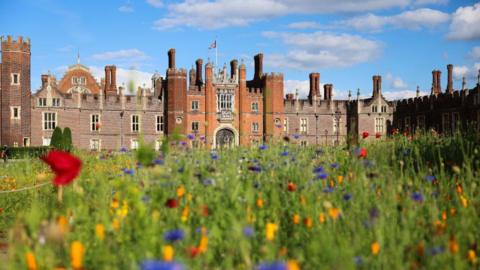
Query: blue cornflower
[
  {"x": 160, "y": 265},
  {"x": 183, "y": 143},
  {"x": 347, "y": 197},
  {"x": 123, "y": 149},
  {"x": 214, "y": 155},
  {"x": 190, "y": 136},
  {"x": 128, "y": 171},
  {"x": 328, "y": 189},
  {"x": 322, "y": 176},
  {"x": 435, "y": 250},
  {"x": 358, "y": 260},
  {"x": 181, "y": 169},
  {"x": 272, "y": 266},
  {"x": 334, "y": 165},
  {"x": 296, "y": 136},
  {"x": 173, "y": 235},
  {"x": 284, "y": 154},
  {"x": 318, "y": 169},
  {"x": 417, "y": 196},
  {"x": 248, "y": 231},
  {"x": 208, "y": 182},
  {"x": 159, "y": 161},
  {"x": 255, "y": 168},
  {"x": 262, "y": 147},
  {"x": 145, "y": 198},
  {"x": 430, "y": 178}
]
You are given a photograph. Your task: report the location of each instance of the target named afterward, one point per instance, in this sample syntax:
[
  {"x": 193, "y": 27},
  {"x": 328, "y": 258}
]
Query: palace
[{"x": 216, "y": 107}]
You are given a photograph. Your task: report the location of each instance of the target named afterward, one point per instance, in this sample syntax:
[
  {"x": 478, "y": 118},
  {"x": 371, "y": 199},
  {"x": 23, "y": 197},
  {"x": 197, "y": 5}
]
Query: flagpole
[{"x": 216, "y": 54}]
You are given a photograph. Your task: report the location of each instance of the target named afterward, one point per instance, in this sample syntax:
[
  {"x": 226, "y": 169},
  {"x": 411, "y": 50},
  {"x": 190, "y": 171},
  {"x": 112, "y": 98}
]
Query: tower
[
  {"x": 176, "y": 97},
  {"x": 15, "y": 93}
]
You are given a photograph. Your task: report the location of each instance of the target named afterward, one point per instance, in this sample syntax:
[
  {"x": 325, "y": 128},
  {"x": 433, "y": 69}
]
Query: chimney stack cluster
[
  {"x": 233, "y": 68},
  {"x": 314, "y": 86},
  {"x": 111, "y": 79},
  {"x": 436, "y": 88},
  {"x": 258, "y": 67},
  {"x": 199, "y": 77},
  {"x": 327, "y": 88}
]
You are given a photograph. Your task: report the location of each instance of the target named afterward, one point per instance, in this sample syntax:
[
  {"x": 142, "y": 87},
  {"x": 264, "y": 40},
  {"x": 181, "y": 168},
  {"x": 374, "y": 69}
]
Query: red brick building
[{"x": 213, "y": 107}]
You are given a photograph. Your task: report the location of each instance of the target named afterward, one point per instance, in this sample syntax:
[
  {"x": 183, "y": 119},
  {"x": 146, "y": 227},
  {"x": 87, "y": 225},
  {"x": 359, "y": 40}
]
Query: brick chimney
[
  {"x": 327, "y": 91},
  {"x": 314, "y": 86},
  {"x": 375, "y": 85},
  {"x": 258, "y": 66},
  {"x": 113, "y": 82},
  {"x": 107, "y": 78},
  {"x": 199, "y": 77},
  {"x": 450, "y": 79},
  {"x": 233, "y": 68},
  {"x": 171, "y": 58},
  {"x": 44, "y": 80},
  {"x": 439, "y": 87},
  {"x": 379, "y": 85}
]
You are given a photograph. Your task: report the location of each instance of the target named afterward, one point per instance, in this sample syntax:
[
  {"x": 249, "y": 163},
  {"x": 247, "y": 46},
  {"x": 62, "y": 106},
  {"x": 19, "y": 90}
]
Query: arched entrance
[{"x": 225, "y": 138}]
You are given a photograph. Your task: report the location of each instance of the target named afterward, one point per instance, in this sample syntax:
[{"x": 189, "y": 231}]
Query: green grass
[{"x": 411, "y": 234}]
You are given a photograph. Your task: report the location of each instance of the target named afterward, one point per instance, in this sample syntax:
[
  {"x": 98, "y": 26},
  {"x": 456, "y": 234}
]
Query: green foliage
[
  {"x": 27, "y": 152},
  {"x": 57, "y": 138},
  {"x": 410, "y": 197},
  {"x": 67, "y": 139},
  {"x": 145, "y": 153}
]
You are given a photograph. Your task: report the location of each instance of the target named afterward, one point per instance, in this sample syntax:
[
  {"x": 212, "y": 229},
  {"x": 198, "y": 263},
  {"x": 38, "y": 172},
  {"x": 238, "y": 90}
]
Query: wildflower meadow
[{"x": 385, "y": 203}]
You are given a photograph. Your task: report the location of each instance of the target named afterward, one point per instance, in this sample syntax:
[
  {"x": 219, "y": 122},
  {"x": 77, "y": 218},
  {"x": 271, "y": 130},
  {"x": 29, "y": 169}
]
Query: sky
[{"x": 347, "y": 41}]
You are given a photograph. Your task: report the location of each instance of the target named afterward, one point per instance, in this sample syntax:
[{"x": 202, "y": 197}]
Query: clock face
[{"x": 178, "y": 120}]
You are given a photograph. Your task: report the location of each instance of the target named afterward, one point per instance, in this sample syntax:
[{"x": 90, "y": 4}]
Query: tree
[
  {"x": 57, "y": 140},
  {"x": 67, "y": 139}
]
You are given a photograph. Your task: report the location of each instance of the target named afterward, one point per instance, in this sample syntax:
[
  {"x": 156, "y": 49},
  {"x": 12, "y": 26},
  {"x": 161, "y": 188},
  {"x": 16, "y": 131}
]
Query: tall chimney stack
[
  {"x": 327, "y": 88},
  {"x": 375, "y": 85},
  {"x": 113, "y": 82},
  {"x": 450, "y": 79},
  {"x": 379, "y": 85},
  {"x": 233, "y": 68},
  {"x": 44, "y": 80},
  {"x": 434, "y": 82},
  {"x": 314, "y": 86},
  {"x": 258, "y": 66},
  {"x": 199, "y": 78},
  {"x": 171, "y": 58},
  {"x": 439, "y": 87},
  {"x": 107, "y": 78}
]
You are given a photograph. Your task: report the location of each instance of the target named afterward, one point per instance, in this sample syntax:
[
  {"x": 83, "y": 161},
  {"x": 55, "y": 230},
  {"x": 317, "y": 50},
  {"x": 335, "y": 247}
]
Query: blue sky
[{"x": 347, "y": 42}]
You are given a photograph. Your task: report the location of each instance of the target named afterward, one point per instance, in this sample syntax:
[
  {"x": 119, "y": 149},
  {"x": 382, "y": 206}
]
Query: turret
[{"x": 233, "y": 68}]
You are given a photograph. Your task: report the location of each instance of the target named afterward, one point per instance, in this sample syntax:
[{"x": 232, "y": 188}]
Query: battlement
[
  {"x": 11, "y": 44},
  {"x": 274, "y": 76}
]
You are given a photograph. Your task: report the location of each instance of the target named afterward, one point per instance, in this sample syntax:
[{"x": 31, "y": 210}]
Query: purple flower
[
  {"x": 254, "y": 168},
  {"x": 284, "y": 154},
  {"x": 430, "y": 178},
  {"x": 173, "y": 235},
  {"x": 322, "y": 176},
  {"x": 318, "y": 169},
  {"x": 214, "y": 155},
  {"x": 435, "y": 250},
  {"x": 183, "y": 143},
  {"x": 272, "y": 266},
  {"x": 334, "y": 165},
  {"x": 296, "y": 136},
  {"x": 159, "y": 161},
  {"x": 262, "y": 147},
  {"x": 191, "y": 137},
  {"x": 123, "y": 149},
  {"x": 161, "y": 265},
  {"x": 128, "y": 171},
  {"x": 417, "y": 196},
  {"x": 328, "y": 190},
  {"x": 202, "y": 138},
  {"x": 248, "y": 231},
  {"x": 208, "y": 182},
  {"x": 347, "y": 197},
  {"x": 374, "y": 213}
]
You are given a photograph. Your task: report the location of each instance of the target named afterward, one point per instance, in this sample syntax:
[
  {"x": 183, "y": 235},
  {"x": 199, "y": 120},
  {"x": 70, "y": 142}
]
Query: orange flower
[
  {"x": 100, "y": 231},
  {"x": 307, "y": 222},
  {"x": 259, "y": 202},
  {"x": 180, "y": 191},
  {"x": 167, "y": 253},
  {"x": 292, "y": 265},
  {"x": 472, "y": 256},
  {"x": 202, "y": 247},
  {"x": 291, "y": 187},
  {"x": 77, "y": 251},
  {"x": 185, "y": 213},
  {"x": 31, "y": 262},
  {"x": 340, "y": 179},
  {"x": 421, "y": 249},
  {"x": 283, "y": 251},
  {"x": 62, "y": 224},
  {"x": 453, "y": 245},
  {"x": 296, "y": 219},
  {"x": 444, "y": 215},
  {"x": 321, "y": 218},
  {"x": 459, "y": 188},
  {"x": 334, "y": 213},
  {"x": 375, "y": 248},
  {"x": 464, "y": 201}
]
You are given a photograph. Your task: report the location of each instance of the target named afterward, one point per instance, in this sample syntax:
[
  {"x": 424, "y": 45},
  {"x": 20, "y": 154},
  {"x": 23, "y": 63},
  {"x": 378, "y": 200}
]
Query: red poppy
[
  {"x": 193, "y": 251},
  {"x": 205, "y": 210},
  {"x": 362, "y": 153},
  {"x": 365, "y": 134},
  {"x": 171, "y": 203},
  {"x": 65, "y": 166},
  {"x": 291, "y": 187},
  {"x": 1, "y": 210},
  {"x": 378, "y": 135}
]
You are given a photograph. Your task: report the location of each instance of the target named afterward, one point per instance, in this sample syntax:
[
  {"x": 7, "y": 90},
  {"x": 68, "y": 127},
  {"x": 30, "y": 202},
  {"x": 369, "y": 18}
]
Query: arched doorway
[{"x": 225, "y": 138}]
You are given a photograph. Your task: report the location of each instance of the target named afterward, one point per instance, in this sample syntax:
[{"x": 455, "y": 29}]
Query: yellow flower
[
  {"x": 31, "y": 262},
  {"x": 308, "y": 222},
  {"x": 167, "y": 253},
  {"x": 334, "y": 213},
  {"x": 100, "y": 231},
  {"x": 115, "y": 224},
  {"x": 375, "y": 248},
  {"x": 185, "y": 213},
  {"x": 464, "y": 201},
  {"x": 202, "y": 247},
  {"x": 270, "y": 230},
  {"x": 155, "y": 215},
  {"x": 321, "y": 218},
  {"x": 332, "y": 184},
  {"x": 472, "y": 256},
  {"x": 303, "y": 201},
  {"x": 76, "y": 254},
  {"x": 296, "y": 219},
  {"x": 114, "y": 204},
  {"x": 180, "y": 191},
  {"x": 259, "y": 203},
  {"x": 292, "y": 265},
  {"x": 189, "y": 197}
]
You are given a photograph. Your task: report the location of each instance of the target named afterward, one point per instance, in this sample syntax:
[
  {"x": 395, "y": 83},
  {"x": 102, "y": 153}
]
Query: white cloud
[
  {"x": 304, "y": 25},
  {"x": 430, "y": 2},
  {"x": 124, "y": 76},
  {"x": 155, "y": 3},
  {"x": 402, "y": 94},
  {"x": 130, "y": 54},
  {"x": 469, "y": 72},
  {"x": 465, "y": 23},
  {"x": 475, "y": 53},
  {"x": 395, "y": 82},
  {"x": 127, "y": 8},
  {"x": 303, "y": 86},
  {"x": 322, "y": 50},
  {"x": 412, "y": 19},
  {"x": 216, "y": 14}
]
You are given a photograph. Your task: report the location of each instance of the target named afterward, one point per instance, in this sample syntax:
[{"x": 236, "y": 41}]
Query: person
[{"x": 4, "y": 153}]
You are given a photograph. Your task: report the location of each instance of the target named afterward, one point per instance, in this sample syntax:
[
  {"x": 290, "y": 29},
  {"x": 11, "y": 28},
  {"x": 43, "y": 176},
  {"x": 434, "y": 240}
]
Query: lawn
[{"x": 392, "y": 203}]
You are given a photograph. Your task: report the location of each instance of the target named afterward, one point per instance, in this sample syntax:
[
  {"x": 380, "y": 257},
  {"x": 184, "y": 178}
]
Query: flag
[{"x": 213, "y": 45}]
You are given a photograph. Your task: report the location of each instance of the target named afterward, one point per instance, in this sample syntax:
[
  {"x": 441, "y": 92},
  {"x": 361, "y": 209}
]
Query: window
[
  {"x": 42, "y": 102},
  {"x": 46, "y": 141},
  {"x": 159, "y": 123},
  {"x": 285, "y": 124},
  {"x": 254, "y": 106},
  {"x": 134, "y": 144},
  {"x": 303, "y": 125},
  {"x": 195, "y": 105},
  {"x": 407, "y": 123},
  {"x": 15, "y": 79},
  {"x": 379, "y": 125},
  {"x": 26, "y": 141},
  {"x": 95, "y": 144},
  {"x": 224, "y": 101},
  {"x": 195, "y": 126},
  {"x": 94, "y": 122},
  {"x": 15, "y": 112},
  {"x": 49, "y": 120},
  {"x": 456, "y": 121},
  {"x": 255, "y": 127},
  {"x": 374, "y": 109},
  {"x": 55, "y": 102},
  {"x": 79, "y": 80},
  {"x": 446, "y": 122},
  {"x": 135, "y": 123},
  {"x": 384, "y": 109},
  {"x": 421, "y": 122}
]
